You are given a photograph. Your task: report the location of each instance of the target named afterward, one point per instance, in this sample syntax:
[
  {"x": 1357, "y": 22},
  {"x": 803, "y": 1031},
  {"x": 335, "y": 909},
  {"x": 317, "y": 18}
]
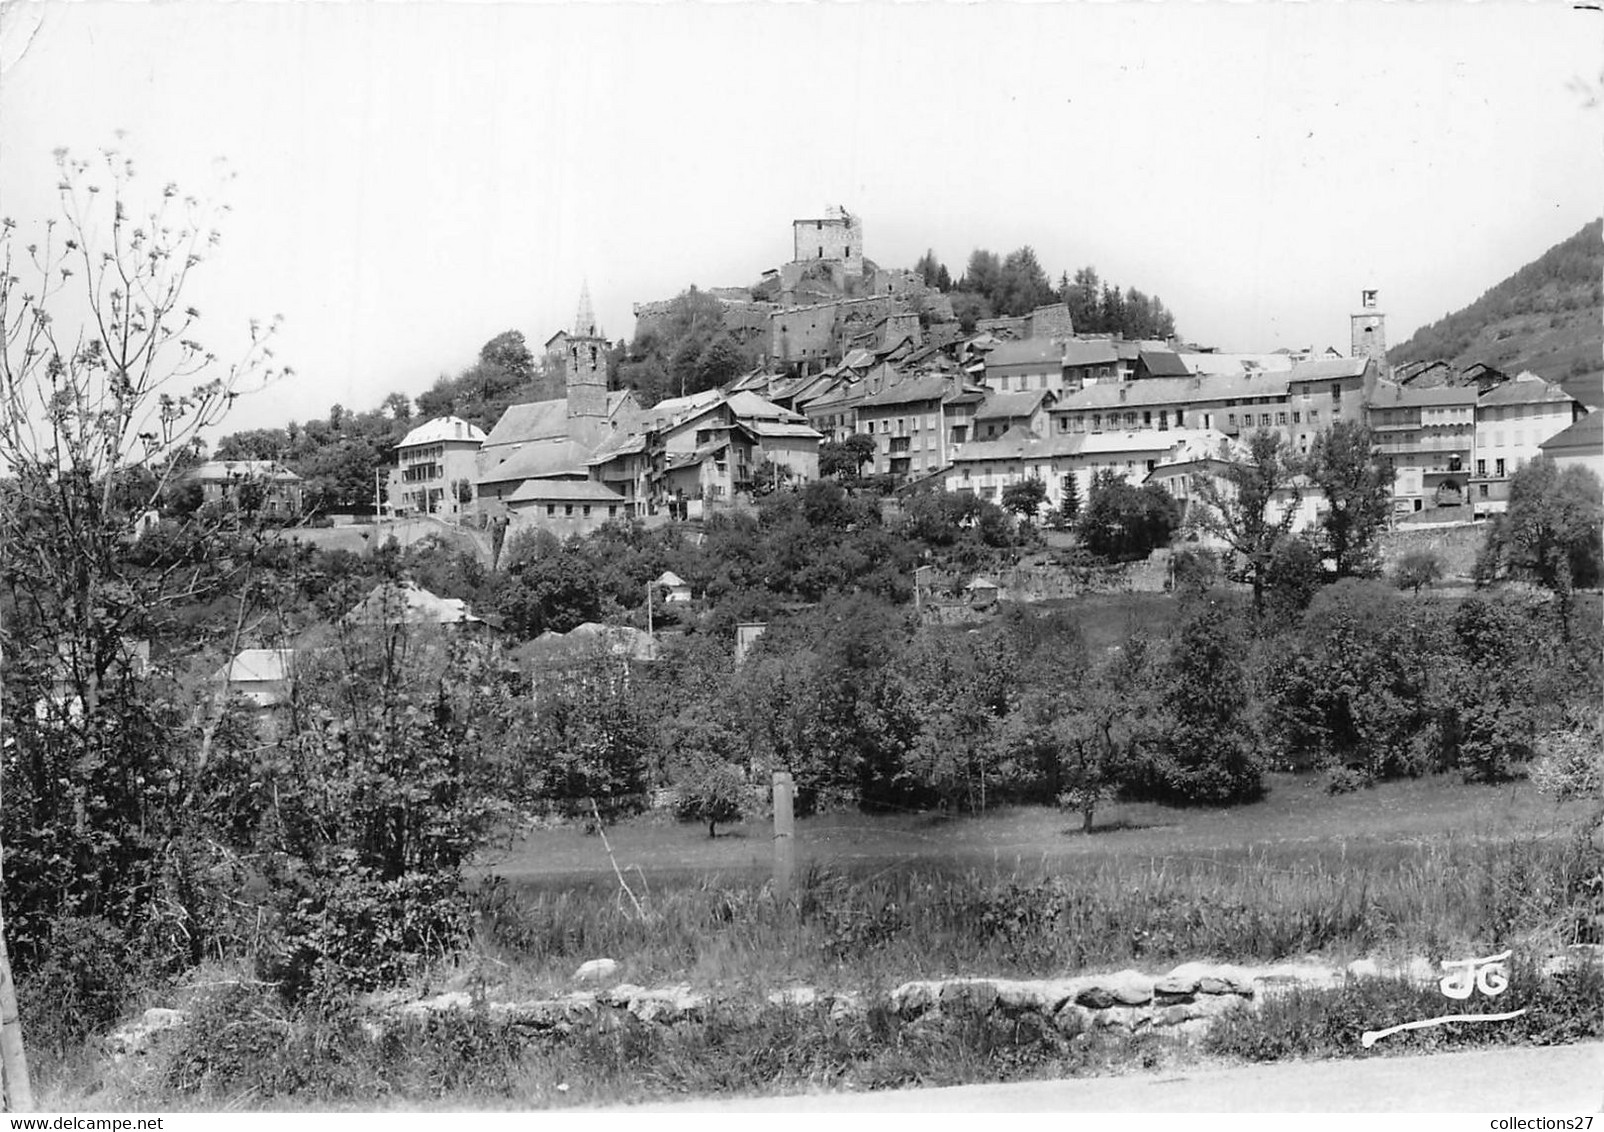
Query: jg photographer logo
[{"x": 1488, "y": 976}]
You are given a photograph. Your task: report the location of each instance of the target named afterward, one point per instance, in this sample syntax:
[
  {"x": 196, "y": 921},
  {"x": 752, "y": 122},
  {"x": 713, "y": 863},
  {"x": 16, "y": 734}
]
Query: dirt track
[{"x": 1517, "y": 1081}]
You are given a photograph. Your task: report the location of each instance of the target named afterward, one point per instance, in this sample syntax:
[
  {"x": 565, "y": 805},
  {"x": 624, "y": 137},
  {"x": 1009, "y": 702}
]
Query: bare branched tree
[{"x": 104, "y": 392}]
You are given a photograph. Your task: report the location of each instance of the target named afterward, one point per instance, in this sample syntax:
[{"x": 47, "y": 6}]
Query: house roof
[
  {"x": 1095, "y": 353},
  {"x": 1018, "y": 444},
  {"x": 550, "y": 457},
  {"x": 1525, "y": 389},
  {"x": 1163, "y": 363},
  {"x": 391, "y": 603},
  {"x": 259, "y": 666},
  {"x": 1585, "y": 433},
  {"x": 981, "y": 582},
  {"x": 1206, "y": 363},
  {"x": 1389, "y": 395},
  {"x": 1006, "y": 406},
  {"x": 1325, "y": 369},
  {"x": 564, "y": 491},
  {"x": 933, "y": 387},
  {"x": 590, "y": 637},
  {"x": 217, "y": 471},
  {"x": 441, "y": 430},
  {"x": 777, "y": 430},
  {"x": 670, "y": 578},
  {"x": 627, "y": 445},
  {"x": 543, "y": 420},
  {"x": 1030, "y": 351}
]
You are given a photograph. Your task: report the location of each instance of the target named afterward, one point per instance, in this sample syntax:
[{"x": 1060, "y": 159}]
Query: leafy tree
[
  {"x": 1552, "y": 533},
  {"x": 1025, "y": 497},
  {"x": 709, "y": 787},
  {"x": 1121, "y": 522},
  {"x": 1202, "y": 748},
  {"x": 720, "y": 363},
  {"x": 845, "y": 459},
  {"x": 1254, "y": 507},
  {"x": 1293, "y": 576},
  {"x": 1417, "y": 570},
  {"x": 969, "y": 308},
  {"x": 1357, "y": 483}
]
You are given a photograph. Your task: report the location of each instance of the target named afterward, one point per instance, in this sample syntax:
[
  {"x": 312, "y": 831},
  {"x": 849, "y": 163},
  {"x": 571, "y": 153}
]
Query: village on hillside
[{"x": 849, "y": 349}]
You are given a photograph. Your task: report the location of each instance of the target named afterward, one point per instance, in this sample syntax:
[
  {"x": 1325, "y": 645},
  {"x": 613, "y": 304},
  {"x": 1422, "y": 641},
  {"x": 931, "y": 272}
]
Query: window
[
  {"x": 1297, "y": 417},
  {"x": 587, "y": 511},
  {"x": 849, "y": 251},
  {"x": 1179, "y": 423},
  {"x": 821, "y": 251},
  {"x": 1163, "y": 419},
  {"x": 551, "y": 509},
  {"x": 1264, "y": 420},
  {"x": 1151, "y": 464},
  {"x": 1314, "y": 416},
  {"x": 612, "y": 510},
  {"x": 1147, "y": 419},
  {"x": 1063, "y": 424},
  {"x": 1481, "y": 468},
  {"x": 1097, "y": 422},
  {"x": 1230, "y": 419},
  {"x": 1130, "y": 420},
  {"x": 1336, "y": 387},
  {"x": 818, "y": 225},
  {"x": 1280, "y": 418},
  {"x": 1498, "y": 467},
  {"x": 568, "y": 508},
  {"x": 1481, "y": 490}
]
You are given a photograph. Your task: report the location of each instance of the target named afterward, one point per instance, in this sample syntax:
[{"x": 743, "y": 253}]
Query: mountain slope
[{"x": 1548, "y": 317}]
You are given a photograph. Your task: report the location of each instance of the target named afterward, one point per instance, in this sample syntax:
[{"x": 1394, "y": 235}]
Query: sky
[{"x": 413, "y": 179}]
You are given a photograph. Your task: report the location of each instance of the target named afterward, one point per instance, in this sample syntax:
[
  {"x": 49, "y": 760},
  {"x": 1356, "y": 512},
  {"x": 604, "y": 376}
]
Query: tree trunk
[
  {"x": 1086, "y": 815},
  {"x": 13, "y": 1057},
  {"x": 711, "y": 830}
]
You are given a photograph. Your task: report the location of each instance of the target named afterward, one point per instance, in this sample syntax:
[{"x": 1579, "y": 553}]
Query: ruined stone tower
[
  {"x": 1369, "y": 328},
  {"x": 585, "y": 362}
]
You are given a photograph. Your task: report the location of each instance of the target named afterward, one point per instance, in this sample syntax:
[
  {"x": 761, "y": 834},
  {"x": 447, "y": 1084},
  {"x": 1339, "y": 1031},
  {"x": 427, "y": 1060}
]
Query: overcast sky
[{"x": 415, "y": 178}]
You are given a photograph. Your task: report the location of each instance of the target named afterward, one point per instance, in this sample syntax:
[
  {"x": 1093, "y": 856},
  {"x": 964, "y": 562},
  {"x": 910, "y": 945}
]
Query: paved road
[{"x": 1520, "y": 1081}]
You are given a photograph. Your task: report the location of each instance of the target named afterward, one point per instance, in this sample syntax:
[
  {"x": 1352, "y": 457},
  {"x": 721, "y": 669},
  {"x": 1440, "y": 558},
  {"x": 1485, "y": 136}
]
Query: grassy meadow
[{"x": 1426, "y": 867}]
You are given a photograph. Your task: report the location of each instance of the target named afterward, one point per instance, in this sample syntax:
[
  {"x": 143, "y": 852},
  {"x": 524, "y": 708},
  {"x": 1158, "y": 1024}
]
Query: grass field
[{"x": 1297, "y": 819}]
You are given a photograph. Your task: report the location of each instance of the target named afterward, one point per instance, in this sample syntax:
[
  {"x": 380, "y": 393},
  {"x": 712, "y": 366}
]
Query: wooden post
[{"x": 784, "y": 836}]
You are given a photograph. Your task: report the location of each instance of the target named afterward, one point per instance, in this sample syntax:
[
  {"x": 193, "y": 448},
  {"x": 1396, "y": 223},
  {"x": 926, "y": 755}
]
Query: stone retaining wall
[{"x": 1184, "y": 1001}]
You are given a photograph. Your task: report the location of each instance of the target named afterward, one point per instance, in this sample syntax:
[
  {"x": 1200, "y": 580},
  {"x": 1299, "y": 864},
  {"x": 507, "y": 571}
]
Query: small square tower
[
  {"x": 1369, "y": 327},
  {"x": 836, "y": 236}
]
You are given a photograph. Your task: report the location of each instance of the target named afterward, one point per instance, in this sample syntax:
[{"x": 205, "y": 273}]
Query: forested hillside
[{"x": 1548, "y": 317}]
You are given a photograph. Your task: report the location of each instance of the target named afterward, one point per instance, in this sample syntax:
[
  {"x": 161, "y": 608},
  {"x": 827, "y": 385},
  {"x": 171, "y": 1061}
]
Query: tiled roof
[
  {"x": 778, "y": 429},
  {"x": 1387, "y": 395},
  {"x": 1325, "y": 369},
  {"x": 1097, "y": 353},
  {"x": 1005, "y": 406},
  {"x": 537, "y": 458},
  {"x": 442, "y": 429},
  {"x": 1163, "y": 363},
  {"x": 1524, "y": 389},
  {"x": 1031, "y": 351},
  {"x": 564, "y": 491},
  {"x": 1586, "y": 433},
  {"x": 908, "y": 391}
]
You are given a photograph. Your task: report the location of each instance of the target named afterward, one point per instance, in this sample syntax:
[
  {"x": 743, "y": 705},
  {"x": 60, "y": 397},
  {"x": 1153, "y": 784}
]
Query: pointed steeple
[{"x": 585, "y": 320}]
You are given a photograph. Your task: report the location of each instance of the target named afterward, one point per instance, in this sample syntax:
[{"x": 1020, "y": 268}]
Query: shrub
[{"x": 1416, "y": 570}]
